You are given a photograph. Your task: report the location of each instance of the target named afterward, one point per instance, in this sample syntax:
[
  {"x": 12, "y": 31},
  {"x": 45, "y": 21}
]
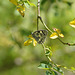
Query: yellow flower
[
  {"x": 20, "y": 6},
  {"x": 28, "y": 42},
  {"x": 72, "y": 23},
  {"x": 55, "y": 34}
]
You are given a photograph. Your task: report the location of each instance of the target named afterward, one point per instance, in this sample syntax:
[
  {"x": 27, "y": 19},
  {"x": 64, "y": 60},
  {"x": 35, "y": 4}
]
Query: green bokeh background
[{"x": 17, "y": 59}]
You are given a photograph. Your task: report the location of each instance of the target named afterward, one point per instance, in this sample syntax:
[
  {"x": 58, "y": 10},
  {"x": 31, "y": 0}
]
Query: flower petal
[
  {"x": 21, "y": 9},
  {"x": 57, "y": 30},
  {"x": 34, "y": 42},
  {"x": 72, "y": 23},
  {"x": 28, "y": 42},
  {"x": 61, "y": 35},
  {"x": 54, "y": 35}
]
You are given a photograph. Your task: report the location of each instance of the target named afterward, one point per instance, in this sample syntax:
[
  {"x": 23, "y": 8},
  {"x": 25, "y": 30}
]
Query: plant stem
[
  {"x": 45, "y": 54},
  {"x": 38, "y": 7},
  {"x": 69, "y": 44},
  {"x": 38, "y": 13},
  {"x": 44, "y": 47},
  {"x": 45, "y": 25},
  {"x": 39, "y": 17}
]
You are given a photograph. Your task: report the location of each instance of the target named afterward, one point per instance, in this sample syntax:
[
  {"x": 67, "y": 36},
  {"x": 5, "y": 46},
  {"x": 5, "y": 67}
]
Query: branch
[
  {"x": 69, "y": 44},
  {"x": 45, "y": 53},
  {"x": 39, "y": 17},
  {"x": 44, "y": 24},
  {"x": 38, "y": 13},
  {"x": 54, "y": 64}
]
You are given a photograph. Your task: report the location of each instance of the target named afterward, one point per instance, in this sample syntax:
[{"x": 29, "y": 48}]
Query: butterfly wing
[{"x": 40, "y": 36}]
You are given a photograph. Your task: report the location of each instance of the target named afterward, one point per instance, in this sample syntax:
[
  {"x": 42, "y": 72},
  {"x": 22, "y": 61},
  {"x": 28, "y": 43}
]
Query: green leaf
[
  {"x": 45, "y": 65},
  {"x": 73, "y": 68},
  {"x": 48, "y": 52},
  {"x": 58, "y": 69},
  {"x": 51, "y": 73},
  {"x": 48, "y": 63},
  {"x": 48, "y": 73},
  {"x": 55, "y": 73},
  {"x": 31, "y": 4}
]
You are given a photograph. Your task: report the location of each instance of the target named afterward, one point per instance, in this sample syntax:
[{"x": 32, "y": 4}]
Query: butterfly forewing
[{"x": 40, "y": 36}]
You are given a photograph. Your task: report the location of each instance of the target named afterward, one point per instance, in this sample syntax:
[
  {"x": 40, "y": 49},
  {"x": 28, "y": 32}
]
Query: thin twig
[
  {"x": 45, "y": 54},
  {"x": 39, "y": 17},
  {"x": 38, "y": 7},
  {"x": 44, "y": 48},
  {"x": 56, "y": 65},
  {"x": 38, "y": 13},
  {"x": 44, "y": 24},
  {"x": 69, "y": 44}
]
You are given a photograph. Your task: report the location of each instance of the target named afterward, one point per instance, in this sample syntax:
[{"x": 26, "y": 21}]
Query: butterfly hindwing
[{"x": 40, "y": 36}]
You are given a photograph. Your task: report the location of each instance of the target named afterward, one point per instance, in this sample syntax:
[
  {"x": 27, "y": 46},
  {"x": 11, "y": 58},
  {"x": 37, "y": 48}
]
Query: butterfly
[{"x": 40, "y": 36}]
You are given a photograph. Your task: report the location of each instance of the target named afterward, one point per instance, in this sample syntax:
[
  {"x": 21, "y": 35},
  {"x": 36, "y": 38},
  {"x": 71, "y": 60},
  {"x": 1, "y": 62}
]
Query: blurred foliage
[{"x": 15, "y": 59}]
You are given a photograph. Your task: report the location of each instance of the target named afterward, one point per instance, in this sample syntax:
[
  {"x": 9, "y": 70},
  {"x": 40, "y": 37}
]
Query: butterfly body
[{"x": 40, "y": 36}]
